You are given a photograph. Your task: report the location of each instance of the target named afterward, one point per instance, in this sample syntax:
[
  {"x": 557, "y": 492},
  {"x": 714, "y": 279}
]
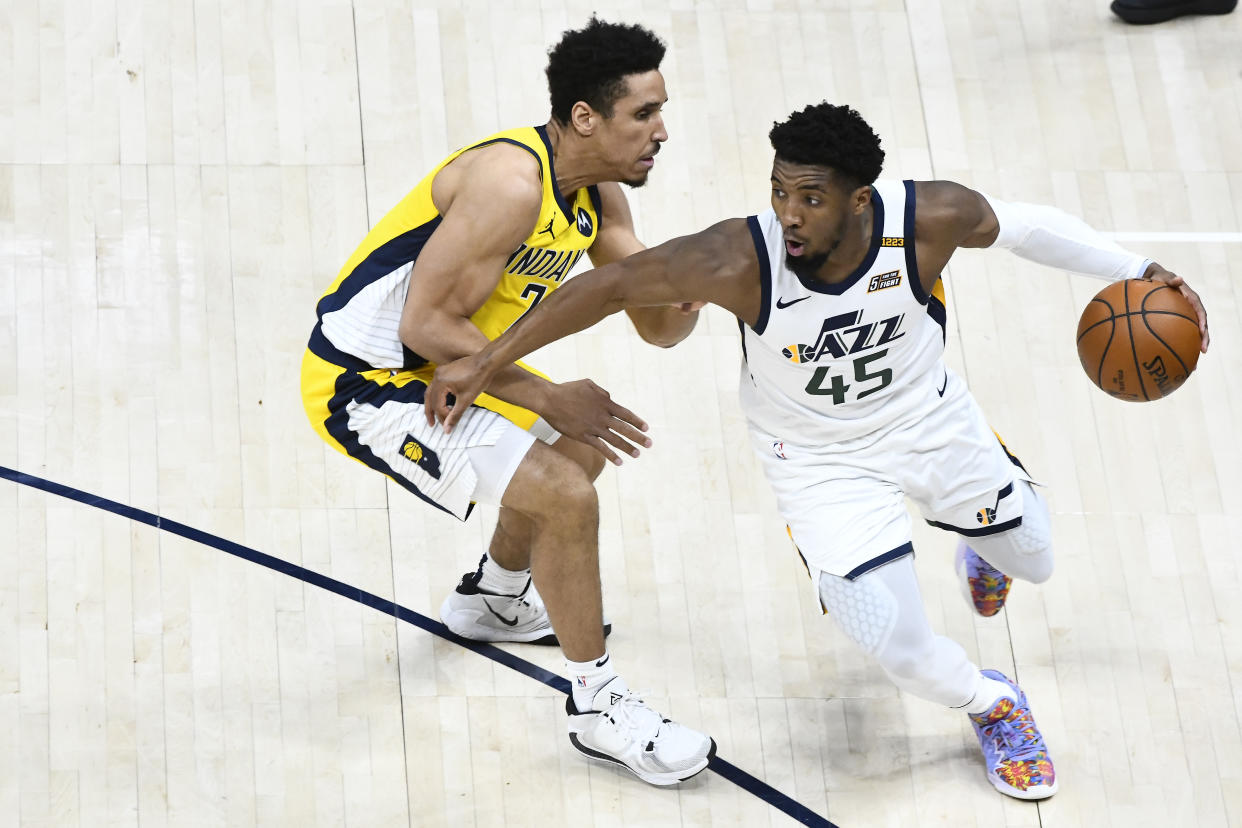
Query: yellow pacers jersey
[{"x": 359, "y": 315}]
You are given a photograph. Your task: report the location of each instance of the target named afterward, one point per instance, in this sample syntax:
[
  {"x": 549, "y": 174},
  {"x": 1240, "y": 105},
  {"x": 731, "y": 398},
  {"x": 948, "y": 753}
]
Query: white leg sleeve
[
  {"x": 1024, "y": 552},
  {"x": 882, "y": 612}
]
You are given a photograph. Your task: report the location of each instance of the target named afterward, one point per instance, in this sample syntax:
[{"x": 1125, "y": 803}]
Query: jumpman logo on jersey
[{"x": 548, "y": 229}]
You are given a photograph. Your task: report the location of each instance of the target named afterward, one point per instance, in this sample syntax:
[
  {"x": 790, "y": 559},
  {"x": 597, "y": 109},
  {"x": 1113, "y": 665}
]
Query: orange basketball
[{"x": 1138, "y": 339}]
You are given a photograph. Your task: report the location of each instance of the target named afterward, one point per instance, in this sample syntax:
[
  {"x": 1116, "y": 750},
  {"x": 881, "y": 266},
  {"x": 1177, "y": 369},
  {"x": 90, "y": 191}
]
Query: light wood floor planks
[{"x": 178, "y": 183}]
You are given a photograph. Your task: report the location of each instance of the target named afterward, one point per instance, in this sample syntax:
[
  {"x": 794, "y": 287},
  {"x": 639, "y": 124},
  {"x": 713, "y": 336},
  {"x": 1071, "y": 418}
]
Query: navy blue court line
[{"x": 729, "y": 771}]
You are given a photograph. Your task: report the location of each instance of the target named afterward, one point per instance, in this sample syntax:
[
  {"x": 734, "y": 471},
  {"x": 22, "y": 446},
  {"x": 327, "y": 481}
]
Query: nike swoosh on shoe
[{"x": 508, "y": 622}]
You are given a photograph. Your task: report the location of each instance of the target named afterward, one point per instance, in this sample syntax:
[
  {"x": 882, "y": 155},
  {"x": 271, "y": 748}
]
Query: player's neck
[
  {"x": 572, "y": 161},
  {"x": 849, "y": 254}
]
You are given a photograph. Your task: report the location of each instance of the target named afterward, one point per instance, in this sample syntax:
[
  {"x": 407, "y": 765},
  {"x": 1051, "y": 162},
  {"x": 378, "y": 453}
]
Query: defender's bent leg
[
  {"x": 510, "y": 546},
  {"x": 496, "y": 601},
  {"x": 606, "y": 720},
  {"x": 557, "y": 501}
]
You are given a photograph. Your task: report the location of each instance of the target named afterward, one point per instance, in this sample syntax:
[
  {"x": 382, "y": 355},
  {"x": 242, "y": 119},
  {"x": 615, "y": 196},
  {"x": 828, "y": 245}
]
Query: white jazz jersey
[{"x": 830, "y": 363}]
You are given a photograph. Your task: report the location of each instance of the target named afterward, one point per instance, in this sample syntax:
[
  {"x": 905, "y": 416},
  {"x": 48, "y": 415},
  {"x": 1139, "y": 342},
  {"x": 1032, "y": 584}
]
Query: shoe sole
[
  {"x": 959, "y": 568},
  {"x": 660, "y": 780},
  {"x": 1145, "y": 17},
  {"x": 1040, "y": 792}
]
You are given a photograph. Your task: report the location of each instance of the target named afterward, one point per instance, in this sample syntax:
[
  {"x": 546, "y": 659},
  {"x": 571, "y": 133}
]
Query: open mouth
[{"x": 794, "y": 248}]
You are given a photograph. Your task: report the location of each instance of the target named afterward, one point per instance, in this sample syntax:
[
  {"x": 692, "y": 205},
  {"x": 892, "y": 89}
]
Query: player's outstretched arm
[
  {"x": 957, "y": 216},
  {"x": 662, "y": 326},
  {"x": 717, "y": 265}
]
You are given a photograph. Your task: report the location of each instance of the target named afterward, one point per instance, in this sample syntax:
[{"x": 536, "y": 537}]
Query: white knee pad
[{"x": 865, "y": 609}]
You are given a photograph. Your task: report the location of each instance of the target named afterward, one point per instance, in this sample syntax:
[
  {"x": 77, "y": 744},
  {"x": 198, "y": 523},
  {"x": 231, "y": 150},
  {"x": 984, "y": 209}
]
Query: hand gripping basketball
[{"x": 1140, "y": 339}]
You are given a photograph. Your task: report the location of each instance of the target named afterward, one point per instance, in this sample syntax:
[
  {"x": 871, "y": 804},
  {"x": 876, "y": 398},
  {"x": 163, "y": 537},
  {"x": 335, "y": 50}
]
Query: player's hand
[
  {"x": 1159, "y": 274},
  {"x": 455, "y": 386},
  {"x": 583, "y": 411}
]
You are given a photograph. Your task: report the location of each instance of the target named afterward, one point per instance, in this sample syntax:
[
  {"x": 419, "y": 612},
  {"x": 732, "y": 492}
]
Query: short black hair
[
  {"x": 590, "y": 64},
  {"x": 837, "y": 137}
]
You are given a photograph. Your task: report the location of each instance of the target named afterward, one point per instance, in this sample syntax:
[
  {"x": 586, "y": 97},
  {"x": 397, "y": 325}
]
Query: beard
[
  {"x": 805, "y": 267},
  {"x": 635, "y": 183}
]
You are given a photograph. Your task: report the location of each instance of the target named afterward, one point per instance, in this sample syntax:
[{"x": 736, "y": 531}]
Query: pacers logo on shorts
[
  {"x": 986, "y": 516},
  {"x": 421, "y": 456}
]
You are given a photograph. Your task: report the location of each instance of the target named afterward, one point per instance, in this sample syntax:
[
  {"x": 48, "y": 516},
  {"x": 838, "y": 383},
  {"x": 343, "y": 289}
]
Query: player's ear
[
  {"x": 860, "y": 198},
  {"x": 583, "y": 118}
]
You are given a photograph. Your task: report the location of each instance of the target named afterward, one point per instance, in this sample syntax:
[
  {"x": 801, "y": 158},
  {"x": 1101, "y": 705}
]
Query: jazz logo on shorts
[
  {"x": 421, "y": 456},
  {"x": 986, "y": 516},
  {"x": 884, "y": 280}
]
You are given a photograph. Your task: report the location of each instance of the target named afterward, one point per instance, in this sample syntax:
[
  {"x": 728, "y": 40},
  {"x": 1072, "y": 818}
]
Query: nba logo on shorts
[{"x": 778, "y": 448}]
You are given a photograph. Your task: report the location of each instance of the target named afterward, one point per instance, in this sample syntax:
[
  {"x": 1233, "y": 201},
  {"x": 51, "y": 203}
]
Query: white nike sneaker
[
  {"x": 480, "y": 615},
  {"x": 486, "y": 616},
  {"x": 622, "y": 729}
]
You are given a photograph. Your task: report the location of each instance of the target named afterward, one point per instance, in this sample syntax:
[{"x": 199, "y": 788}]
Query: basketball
[{"x": 1138, "y": 340}]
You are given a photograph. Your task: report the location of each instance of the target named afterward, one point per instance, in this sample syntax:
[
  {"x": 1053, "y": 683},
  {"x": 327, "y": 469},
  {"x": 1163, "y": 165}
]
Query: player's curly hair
[
  {"x": 837, "y": 137},
  {"x": 590, "y": 64}
]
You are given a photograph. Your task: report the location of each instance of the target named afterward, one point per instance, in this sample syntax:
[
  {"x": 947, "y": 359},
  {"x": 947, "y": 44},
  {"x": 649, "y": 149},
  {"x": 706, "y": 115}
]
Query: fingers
[
  {"x": 1200, "y": 311},
  {"x": 432, "y": 402},
  {"x": 602, "y": 447},
  {"x": 631, "y": 422},
  {"x": 621, "y": 435}
]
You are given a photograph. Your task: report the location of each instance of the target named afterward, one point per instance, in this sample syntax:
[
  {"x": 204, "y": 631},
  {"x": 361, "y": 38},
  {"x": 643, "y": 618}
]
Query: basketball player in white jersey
[{"x": 850, "y": 407}]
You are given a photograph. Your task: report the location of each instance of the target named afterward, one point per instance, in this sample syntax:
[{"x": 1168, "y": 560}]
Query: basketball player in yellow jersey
[
  {"x": 849, "y": 404},
  {"x": 483, "y": 239}
]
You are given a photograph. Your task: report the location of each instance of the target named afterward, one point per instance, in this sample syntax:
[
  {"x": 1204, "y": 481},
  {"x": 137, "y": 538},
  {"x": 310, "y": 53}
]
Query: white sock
[
  {"x": 587, "y": 677},
  {"x": 990, "y": 691},
  {"x": 495, "y": 578}
]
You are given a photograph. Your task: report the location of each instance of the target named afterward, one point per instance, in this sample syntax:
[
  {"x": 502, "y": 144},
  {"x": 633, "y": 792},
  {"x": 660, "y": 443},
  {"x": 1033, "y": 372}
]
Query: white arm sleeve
[{"x": 1057, "y": 239}]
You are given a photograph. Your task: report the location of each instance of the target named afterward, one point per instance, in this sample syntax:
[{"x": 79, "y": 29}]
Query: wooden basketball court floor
[{"x": 178, "y": 183}]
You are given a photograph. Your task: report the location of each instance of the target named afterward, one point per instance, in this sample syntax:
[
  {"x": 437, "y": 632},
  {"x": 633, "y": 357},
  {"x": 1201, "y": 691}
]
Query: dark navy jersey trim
[
  {"x": 765, "y": 277},
  {"x": 566, "y": 209},
  {"x": 325, "y": 350},
  {"x": 515, "y": 143},
  {"x": 752, "y": 785},
  {"x": 741, "y": 329},
  {"x": 1013, "y": 458},
  {"x": 891, "y": 555},
  {"x": 389, "y": 256},
  {"x": 877, "y": 234},
  {"x": 981, "y": 531},
  {"x": 936, "y": 310},
  {"x": 912, "y": 259},
  {"x": 598, "y": 203}
]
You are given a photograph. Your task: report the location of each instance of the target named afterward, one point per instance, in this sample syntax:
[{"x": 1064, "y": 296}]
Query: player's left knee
[{"x": 1031, "y": 543}]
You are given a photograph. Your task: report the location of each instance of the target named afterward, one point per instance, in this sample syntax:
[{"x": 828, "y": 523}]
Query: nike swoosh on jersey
[
  {"x": 781, "y": 304},
  {"x": 511, "y": 623}
]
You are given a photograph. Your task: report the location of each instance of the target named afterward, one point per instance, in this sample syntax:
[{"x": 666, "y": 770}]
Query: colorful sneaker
[
  {"x": 621, "y": 728},
  {"x": 984, "y": 586},
  {"x": 1013, "y": 748}
]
